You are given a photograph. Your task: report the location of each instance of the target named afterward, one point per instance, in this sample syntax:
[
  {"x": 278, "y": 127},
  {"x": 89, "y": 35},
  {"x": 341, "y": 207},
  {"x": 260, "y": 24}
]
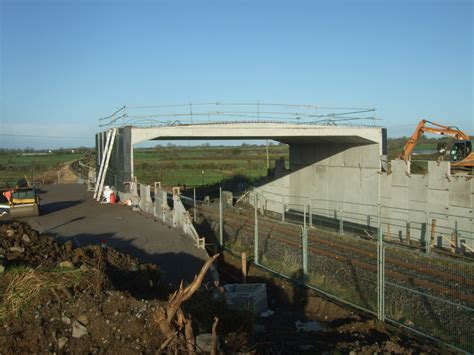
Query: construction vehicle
[
  {"x": 21, "y": 201},
  {"x": 461, "y": 154}
]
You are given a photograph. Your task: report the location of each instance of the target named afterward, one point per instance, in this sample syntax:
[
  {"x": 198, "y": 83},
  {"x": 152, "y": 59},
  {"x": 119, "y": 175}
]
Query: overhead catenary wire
[
  {"x": 43, "y": 136},
  {"x": 190, "y": 113}
]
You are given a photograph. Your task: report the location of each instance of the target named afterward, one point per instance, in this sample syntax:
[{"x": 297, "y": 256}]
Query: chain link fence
[{"x": 378, "y": 259}]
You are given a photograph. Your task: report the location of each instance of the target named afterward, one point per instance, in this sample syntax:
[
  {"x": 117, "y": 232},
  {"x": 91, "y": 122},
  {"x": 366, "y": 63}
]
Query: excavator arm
[{"x": 436, "y": 129}]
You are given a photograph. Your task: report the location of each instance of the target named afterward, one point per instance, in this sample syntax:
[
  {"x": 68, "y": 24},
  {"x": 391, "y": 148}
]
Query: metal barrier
[{"x": 379, "y": 259}]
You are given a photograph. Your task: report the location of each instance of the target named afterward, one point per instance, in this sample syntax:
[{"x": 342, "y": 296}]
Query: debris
[
  {"x": 267, "y": 313},
  {"x": 173, "y": 315},
  {"x": 83, "y": 319},
  {"x": 25, "y": 238},
  {"x": 310, "y": 326},
  {"x": 62, "y": 342},
  {"x": 251, "y": 297},
  {"x": 17, "y": 249},
  {"x": 66, "y": 265},
  {"x": 66, "y": 320},
  {"x": 204, "y": 343},
  {"x": 78, "y": 330}
]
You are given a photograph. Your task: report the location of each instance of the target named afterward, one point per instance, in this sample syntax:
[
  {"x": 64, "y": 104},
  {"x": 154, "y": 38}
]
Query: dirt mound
[
  {"x": 61, "y": 299},
  {"x": 20, "y": 245},
  {"x": 56, "y": 297}
]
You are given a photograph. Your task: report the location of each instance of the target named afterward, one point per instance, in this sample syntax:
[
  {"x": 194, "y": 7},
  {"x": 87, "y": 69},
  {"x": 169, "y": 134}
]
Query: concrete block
[
  {"x": 321, "y": 181},
  {"x": 400, "y": 172},
  {"x": 352, "y": 183},
  {"x": 369, "y": 190},
  {"x": 146, "y": 193},
  {"x": 438, "y": 201},
  {"x": 399, "y": 197},
  {"x": 370, "y": 156},
  {"x": 386, "y": 186},
  {"x": 352, "y": 157},
  {"x": 460, "y": 192},
  {"x": 250, "y": 297},
  {"x": 334, "y": 158},
  {"x": 417, "y": 188},
  {"x": 438, "y": 173},
  {"x": 336, "y": 183},
  {"x": 416, "y": 208}
]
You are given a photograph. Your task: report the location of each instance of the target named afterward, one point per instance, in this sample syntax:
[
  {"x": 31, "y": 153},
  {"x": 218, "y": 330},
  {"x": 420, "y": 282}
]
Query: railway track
[{"x": 403, "y": 267}]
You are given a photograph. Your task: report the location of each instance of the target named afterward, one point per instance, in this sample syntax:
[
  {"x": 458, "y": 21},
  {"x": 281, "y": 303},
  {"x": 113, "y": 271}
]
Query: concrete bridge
[
  {"x": 333, "y": 166},
  {"x": 361, "y": 148}
]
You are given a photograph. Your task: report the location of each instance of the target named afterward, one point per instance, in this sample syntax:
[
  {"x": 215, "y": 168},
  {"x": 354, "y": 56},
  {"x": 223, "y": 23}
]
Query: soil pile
[{"x": 60, "y": 299}]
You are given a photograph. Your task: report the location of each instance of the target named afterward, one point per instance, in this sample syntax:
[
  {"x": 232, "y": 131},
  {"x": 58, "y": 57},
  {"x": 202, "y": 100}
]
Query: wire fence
[{"x": 418, "y": 275}]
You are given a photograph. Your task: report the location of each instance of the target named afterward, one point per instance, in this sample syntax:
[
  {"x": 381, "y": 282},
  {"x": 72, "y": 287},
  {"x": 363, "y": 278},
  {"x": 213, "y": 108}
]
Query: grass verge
[{"x": 23, "y": 286}]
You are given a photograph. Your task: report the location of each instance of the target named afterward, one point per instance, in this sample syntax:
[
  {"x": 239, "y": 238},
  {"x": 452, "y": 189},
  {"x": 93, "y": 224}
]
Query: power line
[{"x": 38, "y": 136}]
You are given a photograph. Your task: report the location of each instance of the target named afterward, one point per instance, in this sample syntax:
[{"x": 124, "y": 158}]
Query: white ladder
[{"x": 104, "y": 165}]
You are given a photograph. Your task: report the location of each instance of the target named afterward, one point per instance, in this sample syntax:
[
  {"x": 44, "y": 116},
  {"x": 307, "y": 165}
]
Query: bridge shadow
[
  {"x": 239, "y": 183},
  {"x": 173, "y": 267}
]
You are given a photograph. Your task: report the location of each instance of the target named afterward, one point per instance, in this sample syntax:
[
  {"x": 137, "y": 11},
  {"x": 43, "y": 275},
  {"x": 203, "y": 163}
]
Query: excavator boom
[{"x": 436, "y": 129}]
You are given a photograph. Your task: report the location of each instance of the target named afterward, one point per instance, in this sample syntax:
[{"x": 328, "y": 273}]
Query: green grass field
[
  {"x": 204, "y": 165},
  {"x": 14, "y": 165}
]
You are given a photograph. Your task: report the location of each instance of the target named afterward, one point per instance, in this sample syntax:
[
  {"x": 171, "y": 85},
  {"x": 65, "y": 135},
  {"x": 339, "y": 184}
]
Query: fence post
[
  {"x": 380, "y": 271},
  {"x": 341, "y": 222},
  {"x": 244, "y": 267},
  {"x": 283, "y": 207},
  {"x": 255, "y": 246},
  {"x": 310, "y": 214},
  {"x": 433, "y": 232},
  {"x": 455, "y": 236},
  {"x": 408, "y": 233},
  {"x": 427, "y": 234},
  {"x": 305, "y": 246},
  {"x": 164, "y": 203},
  {"x": 221, "y": 224},
  {"x": 194, "y": 204}
]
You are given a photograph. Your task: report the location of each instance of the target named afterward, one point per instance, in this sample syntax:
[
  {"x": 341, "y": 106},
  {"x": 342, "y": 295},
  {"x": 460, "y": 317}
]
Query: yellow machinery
[
  {"x": 461, "y": 153},
  {"x": 22, "y": 201}
]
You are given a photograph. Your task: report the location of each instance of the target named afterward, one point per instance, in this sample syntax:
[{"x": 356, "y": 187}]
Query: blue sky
[{"x": 66, "y": 63}]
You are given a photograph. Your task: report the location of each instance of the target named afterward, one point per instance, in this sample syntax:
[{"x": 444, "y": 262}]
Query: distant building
[{"x": 34, "y": 153}]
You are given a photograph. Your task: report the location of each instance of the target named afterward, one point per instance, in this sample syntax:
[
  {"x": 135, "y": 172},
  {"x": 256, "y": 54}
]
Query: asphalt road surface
[{"x": 69, "y": 212}]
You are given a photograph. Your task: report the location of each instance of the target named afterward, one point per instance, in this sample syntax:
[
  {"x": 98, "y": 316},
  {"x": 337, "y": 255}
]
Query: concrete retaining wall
[
  {"x": 156, "y": 204},
  {"x": 350, "y": 181}
]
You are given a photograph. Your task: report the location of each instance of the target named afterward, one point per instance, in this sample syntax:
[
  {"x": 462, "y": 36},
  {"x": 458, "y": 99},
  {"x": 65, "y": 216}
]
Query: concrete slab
[
  {"x": 417, "y": 188},
  {"x": 70, "y": 213},
  {"x": 282, "y": 132},
  {"x": 459, "y": 192}
]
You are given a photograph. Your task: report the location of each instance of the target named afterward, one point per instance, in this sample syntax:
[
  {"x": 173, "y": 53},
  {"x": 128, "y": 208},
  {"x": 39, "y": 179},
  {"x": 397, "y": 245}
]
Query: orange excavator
[{"x": 461, "y": 154}]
